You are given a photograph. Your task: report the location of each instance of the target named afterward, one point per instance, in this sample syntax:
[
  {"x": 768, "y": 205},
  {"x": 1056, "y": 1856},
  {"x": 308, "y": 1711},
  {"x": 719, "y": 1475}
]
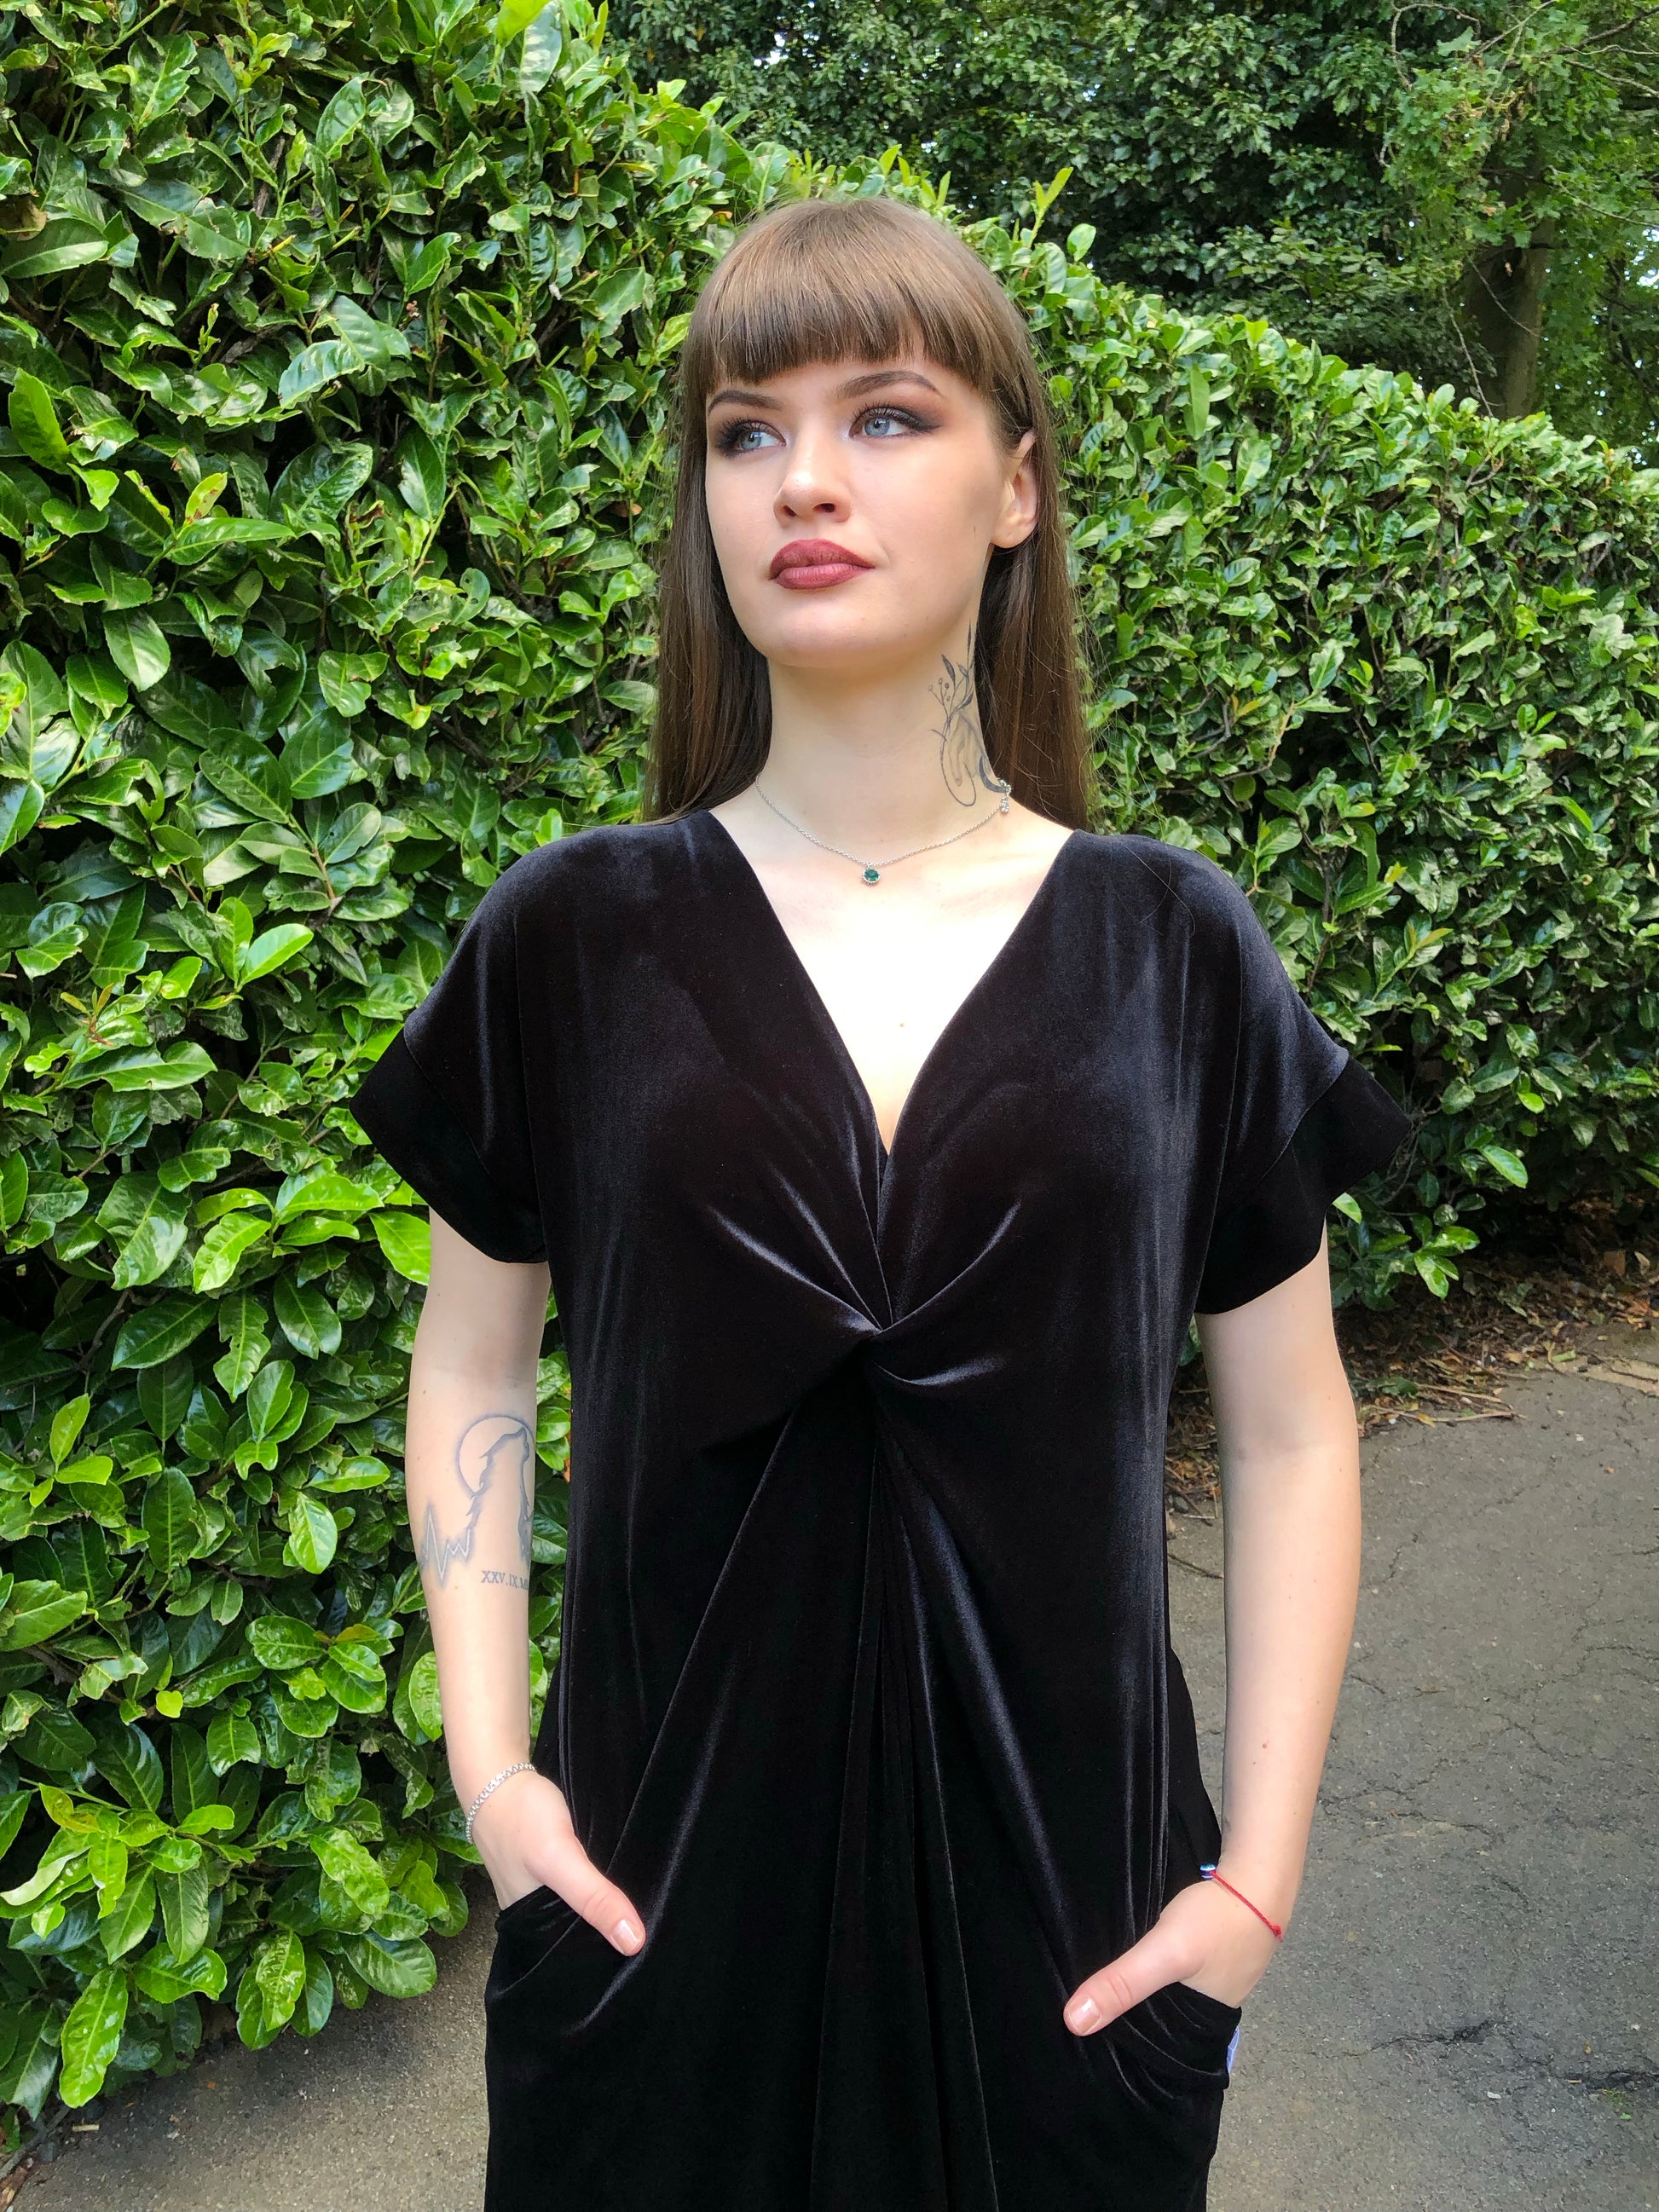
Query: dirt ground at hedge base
[{"x": 1551, "y": 1277}]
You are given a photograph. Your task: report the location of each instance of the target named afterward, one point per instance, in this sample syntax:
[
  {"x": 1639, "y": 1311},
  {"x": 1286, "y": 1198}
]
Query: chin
[{"x": 839, "y": 638}]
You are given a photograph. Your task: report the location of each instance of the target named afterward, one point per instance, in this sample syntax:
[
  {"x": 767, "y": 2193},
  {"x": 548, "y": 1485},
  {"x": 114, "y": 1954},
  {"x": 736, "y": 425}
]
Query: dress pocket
[
  {"x": 1206, "y": 2011},
  {"x": 1170, "y": 2054},
  {"x": 523, "y": 1907},
  {"x": 527, "y": 1932},
  {"x": 1181, "y": 2034}
]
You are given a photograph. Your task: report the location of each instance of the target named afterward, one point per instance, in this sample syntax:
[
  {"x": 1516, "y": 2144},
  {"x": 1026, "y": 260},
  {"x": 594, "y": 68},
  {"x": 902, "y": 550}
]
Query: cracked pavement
[{"x": 1461, "y": 2015}]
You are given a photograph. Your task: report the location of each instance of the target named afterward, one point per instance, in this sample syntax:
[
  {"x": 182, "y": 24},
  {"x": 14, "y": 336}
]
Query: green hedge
[{"x": 336, "y": 361}]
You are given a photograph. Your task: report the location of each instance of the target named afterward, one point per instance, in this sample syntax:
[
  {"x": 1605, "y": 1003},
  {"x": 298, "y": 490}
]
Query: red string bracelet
[{"x": 1210, "y": 1875}]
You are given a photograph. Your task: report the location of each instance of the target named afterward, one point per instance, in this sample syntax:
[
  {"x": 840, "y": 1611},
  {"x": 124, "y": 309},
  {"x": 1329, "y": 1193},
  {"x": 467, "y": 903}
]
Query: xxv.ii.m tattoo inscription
[{"x": 496, "y": 1450}]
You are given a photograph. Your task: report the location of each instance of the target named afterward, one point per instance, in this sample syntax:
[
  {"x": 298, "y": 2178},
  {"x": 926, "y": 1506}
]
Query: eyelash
[{"x": 726, "y": 442}]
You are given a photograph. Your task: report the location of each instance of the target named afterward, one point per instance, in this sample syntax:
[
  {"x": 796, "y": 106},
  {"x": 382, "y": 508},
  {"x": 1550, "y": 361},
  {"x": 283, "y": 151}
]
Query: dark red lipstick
[{"x": 807, "y": 564}]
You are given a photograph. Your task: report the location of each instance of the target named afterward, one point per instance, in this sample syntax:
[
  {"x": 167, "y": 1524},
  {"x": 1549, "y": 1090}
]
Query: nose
[{"x": 813, "y": 483}]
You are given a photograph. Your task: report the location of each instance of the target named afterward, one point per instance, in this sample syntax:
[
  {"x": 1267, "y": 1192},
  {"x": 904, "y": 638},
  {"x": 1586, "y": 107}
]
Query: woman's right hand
[{"x": 524, "y": 1836}]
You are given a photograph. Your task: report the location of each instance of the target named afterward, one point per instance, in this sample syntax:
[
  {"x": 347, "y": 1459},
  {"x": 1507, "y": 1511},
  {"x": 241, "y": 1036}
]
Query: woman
[{"x": 879, "y": 1128}]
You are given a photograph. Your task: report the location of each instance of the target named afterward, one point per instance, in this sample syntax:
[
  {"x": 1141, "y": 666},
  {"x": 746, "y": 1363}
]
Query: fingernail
[
  {"x": 628, "y": 1936},
  {"x": 1083, "y": 2015}
]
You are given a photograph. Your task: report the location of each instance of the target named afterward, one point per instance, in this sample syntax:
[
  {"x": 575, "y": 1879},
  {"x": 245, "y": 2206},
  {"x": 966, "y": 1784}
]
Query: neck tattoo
[
  {"x": 963, "y": 758},
  {"x": 961, "y": 754}
]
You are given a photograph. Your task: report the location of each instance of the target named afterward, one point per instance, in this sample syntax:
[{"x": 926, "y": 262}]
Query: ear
[{"x": 1019, "y": 497}]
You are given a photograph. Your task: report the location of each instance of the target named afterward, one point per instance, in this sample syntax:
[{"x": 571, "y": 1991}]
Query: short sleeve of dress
[
  {"x": 447, "y": 1103},
  {"x": 1307, "y": 1121}
]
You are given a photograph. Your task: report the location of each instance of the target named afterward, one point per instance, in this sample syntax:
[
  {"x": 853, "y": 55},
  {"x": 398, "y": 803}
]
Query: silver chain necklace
[{"x": 871, "y": 871}]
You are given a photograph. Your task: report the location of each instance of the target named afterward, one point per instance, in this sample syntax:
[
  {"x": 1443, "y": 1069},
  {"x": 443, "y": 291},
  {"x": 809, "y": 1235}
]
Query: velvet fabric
[{"x": 866, "y": 1693}]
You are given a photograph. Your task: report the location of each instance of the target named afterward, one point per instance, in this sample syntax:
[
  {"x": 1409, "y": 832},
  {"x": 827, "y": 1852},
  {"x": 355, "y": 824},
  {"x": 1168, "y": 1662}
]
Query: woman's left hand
[{"x": 1203, "y": 1936}]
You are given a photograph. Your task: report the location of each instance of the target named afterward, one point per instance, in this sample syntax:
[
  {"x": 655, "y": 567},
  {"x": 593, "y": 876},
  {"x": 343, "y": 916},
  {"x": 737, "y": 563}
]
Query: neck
[{"x": 883, "y": 757}]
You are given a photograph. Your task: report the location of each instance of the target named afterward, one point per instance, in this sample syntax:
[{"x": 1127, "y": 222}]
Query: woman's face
[{"x": 854, "y": 506}]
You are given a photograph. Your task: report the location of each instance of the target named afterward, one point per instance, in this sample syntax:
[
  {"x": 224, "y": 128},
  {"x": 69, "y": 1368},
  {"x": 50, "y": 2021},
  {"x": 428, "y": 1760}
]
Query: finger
[
  {"x": 1123, "y": 1982},
  {"x": 599, "y": 1901},
  {"x": 613, "y": 1914}
]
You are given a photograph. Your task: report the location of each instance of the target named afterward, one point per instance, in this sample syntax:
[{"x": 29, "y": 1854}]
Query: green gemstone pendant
[{"x": 872, "y": 875}]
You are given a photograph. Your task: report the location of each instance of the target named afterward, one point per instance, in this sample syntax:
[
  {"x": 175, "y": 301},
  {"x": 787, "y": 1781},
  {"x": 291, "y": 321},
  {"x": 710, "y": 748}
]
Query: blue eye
[
  {"x": 900, "y": 417},
  {"x": 730, "y": 439}
]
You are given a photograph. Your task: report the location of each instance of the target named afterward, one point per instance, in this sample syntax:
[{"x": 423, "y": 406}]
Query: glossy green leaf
[
  {"x": 271, "y": 950},
  {"x": 406, "y": 1240},
  {"x": 160, "y": 1332},
  {"x": 66, "y": 242},
  {"x": 220, "y": 1250},
  {"x": 127, "y": 1757},
  {"x": 241, "y": 1324},
  {"x": 165, "y": 1393},
  {"x": 355, "y": 1678},
  {"x": 184, "y": 1902},
  {"x": 345, "y": 1861},
  {"x": 268, "y": 1395},
  {"x": 315, "y": 488},
  {"x": 345, "y": 678},
  {"x": 138, "y": 647},
  {"x": 145, "y": 1069},
  {"x": 14, "y": 1804},
  {"x": 92, "y": 2035},
  {"x": 517, "y": 16},
  {"x": 159, "y": 1977},
  {"x": 280, "y": 1642},
  {"x": 314, "y": 1535},
  {"x": 424, "y": 1702},
  {"x": 1509, "y": 1164},
  {"x": 192, "y": 1770},
  {"x": 130, "y": 1918},
  {"x": 21, "y": 807},
  {"x": 67, "y": 1424},
  {"x": 421, "y": 477},
  {"x": 147, "y": 1224},
  {"x": 107, "y": 1861},
  {"x": 36, "y": 1610},
  {"x": 28, "y": 2073},
  {"x": 317, "y": 1999},
  {"x": 341, "y": 117},
  {"x": 231, "y": 1738},
  {"x": 306, "y": 1318},
  {"x": 254, "y": 2023},
  {"x": 55, "y": 1740},
  {"x": 397, "y": 1968},
  {"x": 279, "y": 1968},
  {"x": 169, "y": 1518},
  {"x": 34, "y": 423}
]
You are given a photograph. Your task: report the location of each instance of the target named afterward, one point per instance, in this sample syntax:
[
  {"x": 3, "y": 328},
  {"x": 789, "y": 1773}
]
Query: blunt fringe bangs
[{"x": 832, "y": 280}]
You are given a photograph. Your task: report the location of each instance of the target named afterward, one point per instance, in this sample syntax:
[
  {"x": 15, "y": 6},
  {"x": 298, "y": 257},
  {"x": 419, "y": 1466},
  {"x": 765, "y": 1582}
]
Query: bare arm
[
  {"x": 470, "y": 1466},
  {"x": 1289, "y": 1473}
]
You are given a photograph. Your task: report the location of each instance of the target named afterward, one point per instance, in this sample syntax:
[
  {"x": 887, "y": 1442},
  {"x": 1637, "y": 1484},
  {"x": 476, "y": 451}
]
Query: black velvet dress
[{"x": 866, "y": 1695}]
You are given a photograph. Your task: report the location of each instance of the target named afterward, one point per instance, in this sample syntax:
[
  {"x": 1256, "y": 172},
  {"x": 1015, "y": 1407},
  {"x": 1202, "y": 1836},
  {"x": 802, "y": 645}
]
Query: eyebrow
[{"x": 874, "y": 381}]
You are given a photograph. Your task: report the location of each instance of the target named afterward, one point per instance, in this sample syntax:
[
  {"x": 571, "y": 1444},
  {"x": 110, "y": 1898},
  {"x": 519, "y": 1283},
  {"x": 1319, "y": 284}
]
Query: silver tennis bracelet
[{"x": 519, "y": 1766}]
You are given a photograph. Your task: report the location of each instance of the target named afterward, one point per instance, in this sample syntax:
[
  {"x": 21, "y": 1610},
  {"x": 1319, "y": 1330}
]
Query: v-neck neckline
[{"x": 816, "y": 1002}]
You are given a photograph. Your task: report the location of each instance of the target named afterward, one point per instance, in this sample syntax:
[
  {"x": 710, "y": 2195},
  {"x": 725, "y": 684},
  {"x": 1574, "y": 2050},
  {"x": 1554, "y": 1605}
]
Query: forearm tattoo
[
  {"x": 961, "y": 742},
  {"x": 495, "y": 1451}
]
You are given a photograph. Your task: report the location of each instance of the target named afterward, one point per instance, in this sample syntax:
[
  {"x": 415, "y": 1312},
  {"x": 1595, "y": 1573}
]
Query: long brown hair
[{"x": 829, "y": 280}]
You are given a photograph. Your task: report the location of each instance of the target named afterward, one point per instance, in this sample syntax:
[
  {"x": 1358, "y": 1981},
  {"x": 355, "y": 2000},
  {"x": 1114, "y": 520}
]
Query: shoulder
[
  {"x": 1181, "y": 887},
  {"x": 585, "y": 877}
]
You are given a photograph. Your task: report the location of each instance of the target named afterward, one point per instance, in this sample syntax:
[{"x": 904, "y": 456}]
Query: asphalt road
[{"x": 1465, "y": 2013}]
